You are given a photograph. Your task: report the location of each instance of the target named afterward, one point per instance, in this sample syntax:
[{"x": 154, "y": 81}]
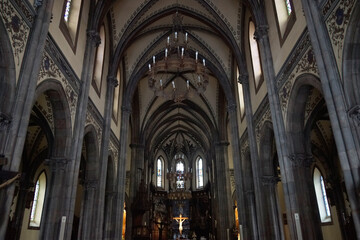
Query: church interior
[{"x": 180, "y": 119}]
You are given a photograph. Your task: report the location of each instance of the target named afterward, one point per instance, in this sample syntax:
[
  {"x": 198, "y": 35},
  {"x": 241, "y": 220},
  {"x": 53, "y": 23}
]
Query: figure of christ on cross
[{"x": 180, "y": 220}]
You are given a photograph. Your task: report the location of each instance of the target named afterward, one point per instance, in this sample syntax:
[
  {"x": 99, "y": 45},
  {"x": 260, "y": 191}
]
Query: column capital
[
  {"x": 126, "y": 109},
  {"x": 231, "y": 108},
  {"x": 91, "y": 184},
  {"x": 243, "y": 79},
  {"x": 270, "y": 180},
  {"x": 354, "y": 113},
  {"x": 261, "y": 32},
  {"x": 5, "y": 120},
  {"x": 222, "y": 143},
  {"x": 301, "y": 160},
  {"x": 113, "y": 81},
  {"x": 136, "y": 145},
  {"x": 94, "y": 37},
  {"x": 57, "y": 164}
]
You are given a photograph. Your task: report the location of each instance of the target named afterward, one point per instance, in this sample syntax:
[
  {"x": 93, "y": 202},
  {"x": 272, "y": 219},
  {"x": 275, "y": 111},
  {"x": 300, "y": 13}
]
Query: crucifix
[{"x": 180, "y": 220}]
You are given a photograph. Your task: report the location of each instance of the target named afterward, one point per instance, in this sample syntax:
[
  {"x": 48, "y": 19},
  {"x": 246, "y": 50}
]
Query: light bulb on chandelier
[{"x": 187, "y": 74}]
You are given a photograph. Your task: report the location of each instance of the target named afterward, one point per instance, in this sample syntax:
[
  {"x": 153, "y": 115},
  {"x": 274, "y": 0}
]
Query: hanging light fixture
[{"x": 188, "y": 74}]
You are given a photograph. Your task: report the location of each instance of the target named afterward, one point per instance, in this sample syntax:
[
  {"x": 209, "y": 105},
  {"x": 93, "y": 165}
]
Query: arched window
[
  {"x": 159, "y": 172},
  {"x": 255, "y": 57},
  {"x": 116, "y": 97},
  {"x": 69, "y": 23},
  {"x": 99, "y": 62},
  {"x": 180, "y": 183},
  {"x": 38, "y": 201},
  {"x": 285, "y": 15},
  {"x": 322, "y": 200},
  {"x": 241, "y": 97},
  {"x": 199, "y": 173}
]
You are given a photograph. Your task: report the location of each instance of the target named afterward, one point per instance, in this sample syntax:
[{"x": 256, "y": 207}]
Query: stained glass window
[
  {"x": 180, "y": 175},
  {"x": 159, "y": 173},
  {"x": 288, "y": 7},
  {"x": 200, "y": 174},
  {"x": 326, "y": 203},
  {"x": 67, "y": 10},
  {"x": 35, "y": 201}
]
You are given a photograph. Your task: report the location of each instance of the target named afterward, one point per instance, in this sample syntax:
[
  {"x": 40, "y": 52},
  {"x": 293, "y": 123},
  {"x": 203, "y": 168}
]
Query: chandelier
[{"x": 186, "y": 72}]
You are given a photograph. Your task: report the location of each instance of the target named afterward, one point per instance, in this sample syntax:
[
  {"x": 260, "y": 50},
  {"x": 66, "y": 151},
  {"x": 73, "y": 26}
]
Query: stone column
[
  {"x": 238, "y": 174},
  {"x": 304, "y": 189},
  {"x": 261, "y": 35},
  {"x": 270, "y": 201},
  {"x": 68, "y": 205},
  {"x": 346, "y": 139},
  {"x": 224, "y": 213},
  {"x": 112, "y": 82},
  {"x": 108, "y": 215},
  {"x": 136, "y": 168},
  {"x": 50, "y": 225},
  {"x": 121, "y": 171},
  {"x": 24, "y": 99},
  {"x": 88, "y": 216}
]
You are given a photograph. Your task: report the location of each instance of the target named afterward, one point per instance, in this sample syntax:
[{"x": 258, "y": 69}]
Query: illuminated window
[
  {"x": 180, "y": 183},
  {"x": 159, "y": 172},
  {"x": 99, "y": 62},
  {"x": 38, "y": 201},
  {"x": 288, "y": 7},
  {"x": 199, "y": 173},
  {"x": 285, "y": 16},
  {"x": 255, "y": 56},
  {"x": 322, "y": 200},
  {"x": 241, "y": 97},
  {"x": 69, "y": 23},
  {"x": 116, "y": 97}
]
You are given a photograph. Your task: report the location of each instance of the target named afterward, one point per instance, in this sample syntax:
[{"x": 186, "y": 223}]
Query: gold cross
[{"x": 180, "y": 220}]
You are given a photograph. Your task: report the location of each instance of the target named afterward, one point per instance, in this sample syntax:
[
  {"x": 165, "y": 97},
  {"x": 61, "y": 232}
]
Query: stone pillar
[
  {"x": 261, "y": 35},
  {"x": 251, "y": 214},
  {"x": 304, "y": 189},
  {"x": 121, "y": 171},
  {"x": 270, "y": 202},
  {"x": 112, "y": 82},
  {"x": 346, "y": 139},
  {"x": 224, "y": 213},
  {"x": 136, "y": 168},
  {"x": 108, "y": 215},
  {"x": 88, "y": 216},
  {"x": 24, "y": 99},
  {"x": 53, "y": 212},
  {"x": 68, "y": 205},
  {"x": 238, "y": 174}
]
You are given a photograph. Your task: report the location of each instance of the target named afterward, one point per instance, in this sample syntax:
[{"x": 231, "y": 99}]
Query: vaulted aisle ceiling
[{"x": 140, "y": 30}]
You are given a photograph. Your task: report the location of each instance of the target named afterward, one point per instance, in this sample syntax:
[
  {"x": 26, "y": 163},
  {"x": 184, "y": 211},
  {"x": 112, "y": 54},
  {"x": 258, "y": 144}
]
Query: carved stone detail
[
  {"x": 261, "y": 32},
  {"x": 353, "y": 113},
  {"x": 243, "y": 79},
  {"x": 91, "y": 184},
  {"x": 301, "y": 160},
  {"x": 57, "y": 164},
  {"x": 5, "y": 121},
  {"x": 113, "y": 81},
  {"x": 270, "y": 180},
  {"x": 231, "y": 108},
  {"x": 94, "y": 37}
]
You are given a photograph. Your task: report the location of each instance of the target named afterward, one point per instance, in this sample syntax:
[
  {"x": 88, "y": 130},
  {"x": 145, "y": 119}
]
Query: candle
[
  {"x": 186, "y": 37},
  {"x": 149, "y": 67},
  {"x": 187, "y": 84},
  {"x": 153, "y": 59},
  {"x": 166, "y": 52},
  {"x": 173, "y": 84},
  {"x": 198, "y": 78},
  {"x": 182, "y": 52},
  {"x": 196, "y": 56},
  {"x": 168, "y": 40},
  {"x": 175, "y": 35},
  {"x": 204, "y": 62},
  {"x": 161, "y": 82}
]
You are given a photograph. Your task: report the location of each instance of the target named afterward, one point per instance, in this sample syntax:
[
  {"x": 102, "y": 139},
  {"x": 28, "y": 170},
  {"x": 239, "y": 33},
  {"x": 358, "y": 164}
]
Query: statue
[{"x": 180, "y": 220}]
